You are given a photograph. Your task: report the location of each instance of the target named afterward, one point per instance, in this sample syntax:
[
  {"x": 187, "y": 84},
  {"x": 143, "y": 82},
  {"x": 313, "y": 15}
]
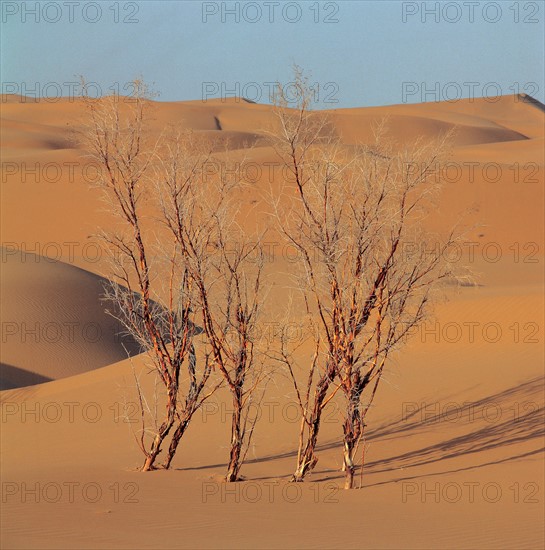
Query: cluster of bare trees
[
  {"x": 173, "y": 275},
  {"x": 194, "y": 301}
]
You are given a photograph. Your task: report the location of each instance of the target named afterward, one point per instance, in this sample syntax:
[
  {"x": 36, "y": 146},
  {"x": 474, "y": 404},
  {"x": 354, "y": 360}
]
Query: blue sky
[{"x": 358, "y": 52}]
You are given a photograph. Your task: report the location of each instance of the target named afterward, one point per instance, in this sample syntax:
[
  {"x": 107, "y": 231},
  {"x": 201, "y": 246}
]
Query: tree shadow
[
  {"x": 527, "y": 395},
  {"x": 522, "y": 420},
  {"x": 467, "y": 468}
]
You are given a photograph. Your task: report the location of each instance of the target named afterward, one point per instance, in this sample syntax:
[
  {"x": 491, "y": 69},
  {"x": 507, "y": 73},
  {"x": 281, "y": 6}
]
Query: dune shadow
[
  {"x": 131, "y": 313},
  {"x": 532, "y": 101},
  {"x": 12, "y": 377},
  {"x": 512, "y": 401}
]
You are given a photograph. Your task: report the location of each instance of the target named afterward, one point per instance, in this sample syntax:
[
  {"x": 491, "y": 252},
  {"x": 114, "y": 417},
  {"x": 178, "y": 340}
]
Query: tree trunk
[
  {"x": 163, "y": 431},
  {"x": 148, "y": 463},
  {"x": 236, "y": 438},
  {"x": 178, "y": 434},
  {"x": 156, "y": 447},
  {"x": 307, "y": 459},
  {"x": 348, "y": 465},
  {"x": 352, "y": 430}
]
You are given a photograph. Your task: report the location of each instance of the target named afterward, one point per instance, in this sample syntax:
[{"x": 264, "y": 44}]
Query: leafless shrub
[
  {"x": 153, "y": 294},
  {"x": 179, "y": 256},
  {"x": 351, "y": 213},
  {"x": 226, "y": 267}
]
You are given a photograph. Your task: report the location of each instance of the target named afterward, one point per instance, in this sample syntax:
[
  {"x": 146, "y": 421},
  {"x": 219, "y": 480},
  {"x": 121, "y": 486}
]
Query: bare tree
[
  {"x": 202, "y": 264},
  {"x": 226, "y": 267},
  {"x": 231, "y": 321},
  {"x": 152, "y": 289},
  {"x": 354, "y": 214},
  {"x": 368, "y": 270}
]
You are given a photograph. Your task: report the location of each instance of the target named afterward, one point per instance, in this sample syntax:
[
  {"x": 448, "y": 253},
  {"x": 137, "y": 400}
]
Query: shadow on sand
[{"x": 515, "y": 415}]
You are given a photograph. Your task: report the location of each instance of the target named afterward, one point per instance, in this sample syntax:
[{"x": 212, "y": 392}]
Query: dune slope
[{"x": 53, "y": 321}]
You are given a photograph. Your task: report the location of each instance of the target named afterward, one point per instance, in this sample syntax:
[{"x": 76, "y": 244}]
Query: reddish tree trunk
[
  {"x": 178, "y": 434},
  {"x": 352, "y": 429},
  {"x": 149, "y": 463},
  {"x": 236, "y": 438}
]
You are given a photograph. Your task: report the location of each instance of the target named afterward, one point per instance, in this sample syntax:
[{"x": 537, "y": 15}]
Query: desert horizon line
[{"x": 519, "y": 97}]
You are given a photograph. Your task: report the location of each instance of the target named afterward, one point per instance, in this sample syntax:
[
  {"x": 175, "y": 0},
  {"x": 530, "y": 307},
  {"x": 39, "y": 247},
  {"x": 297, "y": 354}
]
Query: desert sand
[{"x": 456, "y": 440}]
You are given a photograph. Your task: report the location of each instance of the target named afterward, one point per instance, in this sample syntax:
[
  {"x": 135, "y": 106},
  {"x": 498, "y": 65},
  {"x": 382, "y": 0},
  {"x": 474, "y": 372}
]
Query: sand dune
[
  {"x": 53, "y": 321},
  {"x": 468, "y": 132},
  {"x": 16, "y": 134},
  {"x": 453, "y": 413}
]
